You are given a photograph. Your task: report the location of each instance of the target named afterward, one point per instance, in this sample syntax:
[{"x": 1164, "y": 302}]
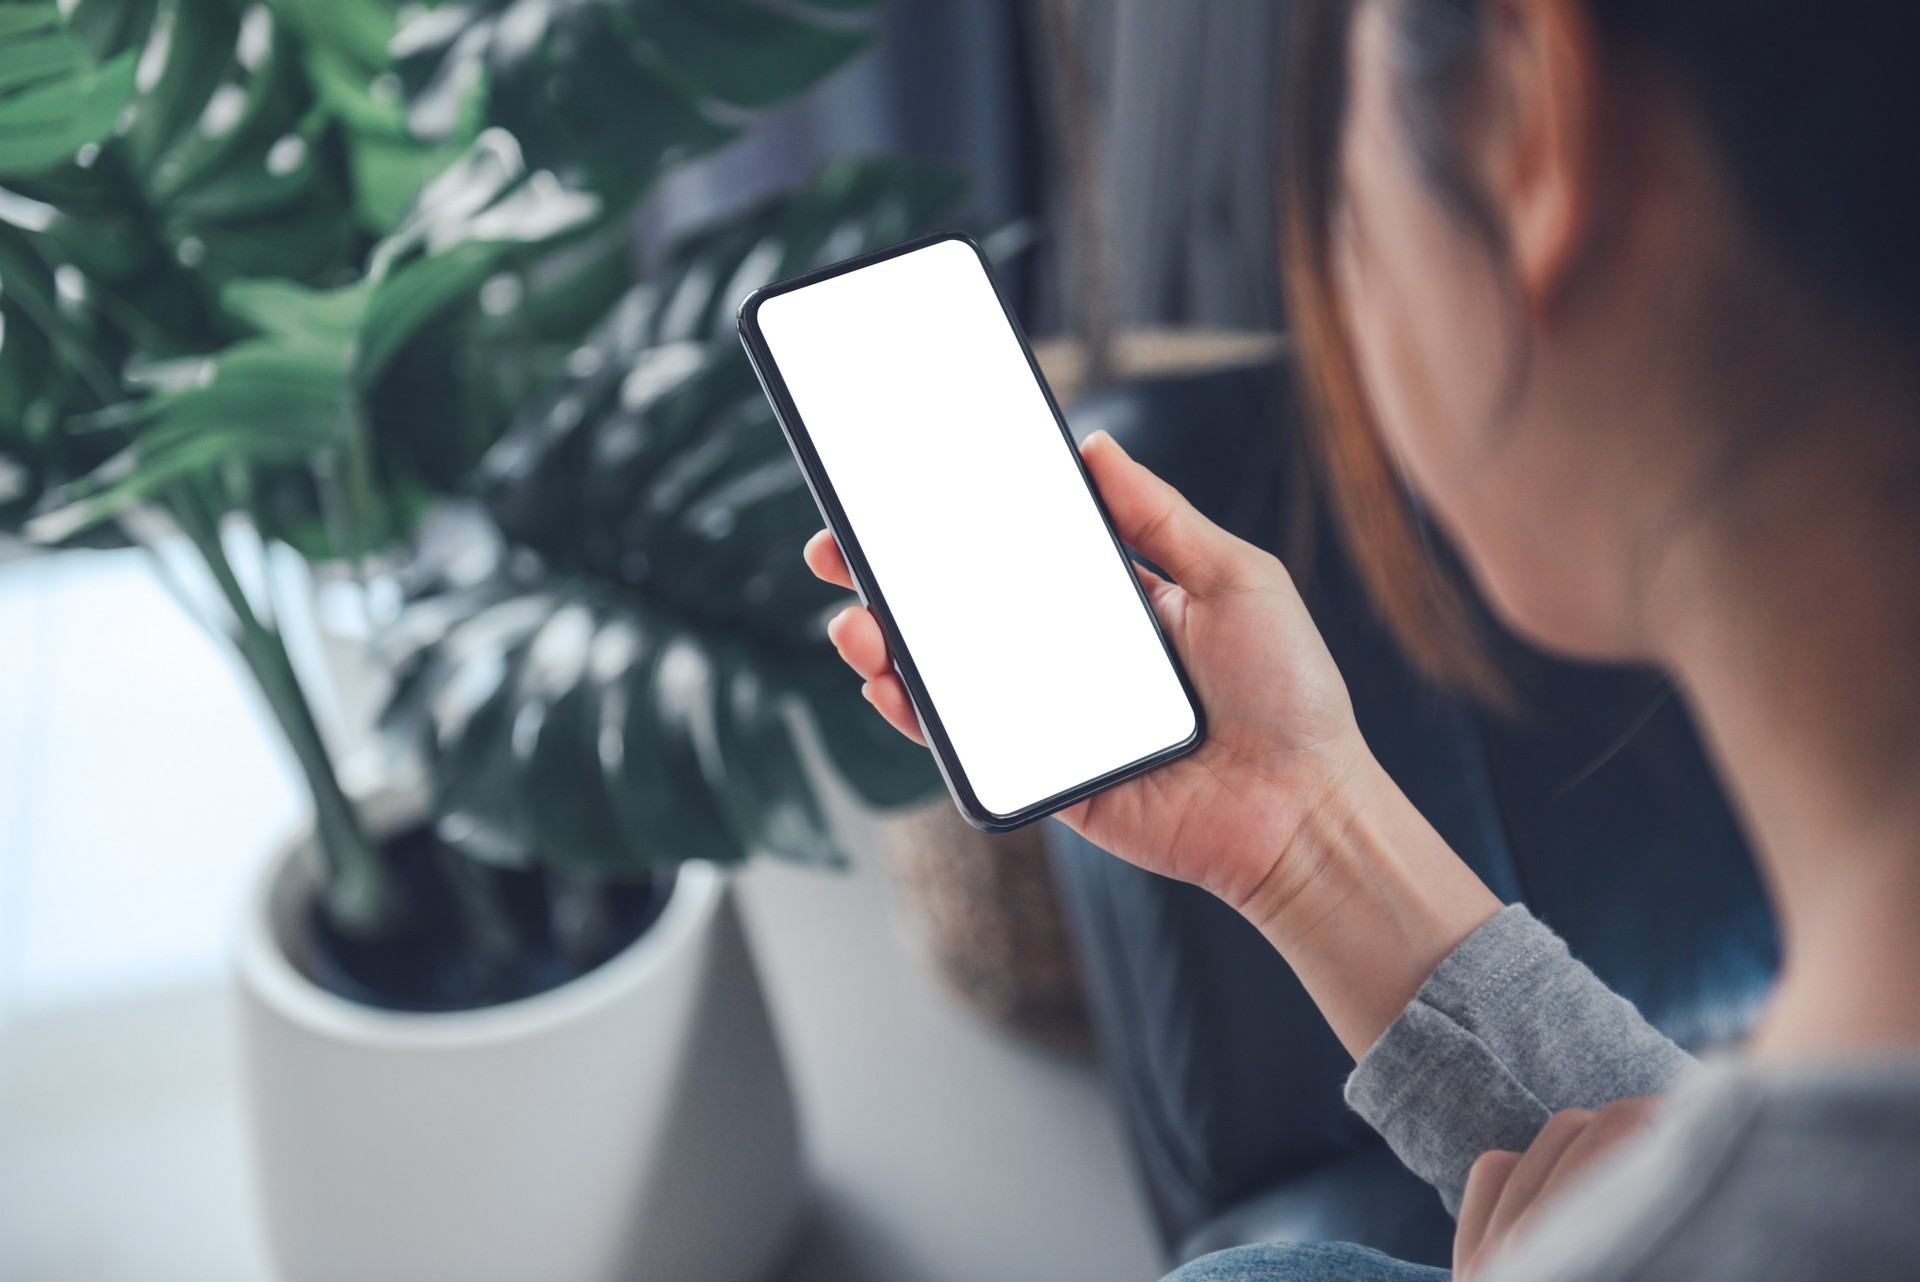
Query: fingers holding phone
[
  {"x": 856, "y": 635},
  {"x": 825, "y": 560},
  {"x": 1279, "y": 723}
]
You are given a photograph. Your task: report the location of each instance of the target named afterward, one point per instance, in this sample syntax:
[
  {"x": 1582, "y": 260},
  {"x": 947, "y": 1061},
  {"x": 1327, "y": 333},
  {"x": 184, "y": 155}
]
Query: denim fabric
[{"x": 1304, "y": 1262}]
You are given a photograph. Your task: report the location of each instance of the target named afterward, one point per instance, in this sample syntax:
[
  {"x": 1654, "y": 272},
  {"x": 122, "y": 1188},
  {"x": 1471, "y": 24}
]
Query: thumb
[{"x": 1156, "y": 521}]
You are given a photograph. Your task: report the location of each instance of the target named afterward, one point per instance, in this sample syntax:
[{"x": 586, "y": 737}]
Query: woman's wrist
[{"x": 1366, "y": 901}]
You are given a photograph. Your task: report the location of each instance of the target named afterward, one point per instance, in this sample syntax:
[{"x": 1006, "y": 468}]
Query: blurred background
[{"x": 435, "y": 840}]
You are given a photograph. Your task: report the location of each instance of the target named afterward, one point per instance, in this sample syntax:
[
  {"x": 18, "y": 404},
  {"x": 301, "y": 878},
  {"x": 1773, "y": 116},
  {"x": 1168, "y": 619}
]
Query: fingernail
[
  {"x": 1102, "y": 439},
  {"x": 866, "y": 692}
]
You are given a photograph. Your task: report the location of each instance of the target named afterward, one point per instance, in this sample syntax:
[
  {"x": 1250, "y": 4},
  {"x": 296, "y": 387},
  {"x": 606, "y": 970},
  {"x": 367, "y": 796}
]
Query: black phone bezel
[{"x": 824, "y": 497}]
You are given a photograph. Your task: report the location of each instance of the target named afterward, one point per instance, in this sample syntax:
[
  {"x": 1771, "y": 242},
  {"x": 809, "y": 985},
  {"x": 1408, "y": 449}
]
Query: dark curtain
[
  {"x": 1184, "y": 107},
  {"x": 1189, "y": 89}
]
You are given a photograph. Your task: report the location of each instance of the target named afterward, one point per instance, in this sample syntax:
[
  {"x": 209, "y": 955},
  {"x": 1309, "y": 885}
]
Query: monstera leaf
[
  {"x": 50, "y": 368},
  {"x": 605, "y": 96},
  {"x": 625, "y": 689},
  {"x": 155, "y": 152},
  {"x": 226, "y": 168},
  {"x": 611, "y": 93},
  {"x": 54, "y": 98},
  {"x": 136, "y": 207},
  {"x": 289, "y": 395}
]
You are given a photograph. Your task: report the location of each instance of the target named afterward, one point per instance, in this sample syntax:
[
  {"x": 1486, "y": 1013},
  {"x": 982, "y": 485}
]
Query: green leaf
[
  {"x": 53, "y": 364},
  {"x": 610, "y": 94},
  {"x": 413, "y": 296},
  {"x": 454, "y": 237},
  {"x": 344, "y": 46},
  {"x": 656, "y": 713},
  {"x": 179, "y": 203},
  {"x": 108, "y": 26},
  {"x": 746, "y": 53},
  {"x": 573, "y": 728},
  {"x": 563, "y": 729},
  {"x": 759, "y": 775},
  {"x": 279, "y": 399},
  {"x": 43, "y": 125},
  {"x": 274, "y": 101},
  {"x": 22, "y": 19},
  {"x": 388, "y": 174},
  {"x": 200, "y": 37},
  {"x": 358, "y": 29},
  {"x": 49, "y": 54},
  {"x": 612, "y": 121},
  {"x": 327, "y": 319}
]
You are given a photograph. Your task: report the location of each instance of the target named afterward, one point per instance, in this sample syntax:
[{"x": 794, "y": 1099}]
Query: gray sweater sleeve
[{"x": 1509, "y": 1030}]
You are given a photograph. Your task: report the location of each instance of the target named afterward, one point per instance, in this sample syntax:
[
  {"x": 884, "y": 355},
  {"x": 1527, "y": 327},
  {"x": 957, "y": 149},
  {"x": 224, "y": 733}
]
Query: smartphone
[{"x": 941, "y": 462}]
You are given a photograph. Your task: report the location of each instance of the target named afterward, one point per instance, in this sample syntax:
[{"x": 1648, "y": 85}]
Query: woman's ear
[{"x": 1543, "y": 128}]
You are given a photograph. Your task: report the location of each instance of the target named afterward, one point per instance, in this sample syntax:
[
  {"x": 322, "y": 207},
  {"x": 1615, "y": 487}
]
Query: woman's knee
[{"x": 1303, "y": 1262}]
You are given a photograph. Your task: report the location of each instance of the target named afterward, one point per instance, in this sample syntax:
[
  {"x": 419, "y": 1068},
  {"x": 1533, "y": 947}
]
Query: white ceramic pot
[{"x": 635, "y": 1124}]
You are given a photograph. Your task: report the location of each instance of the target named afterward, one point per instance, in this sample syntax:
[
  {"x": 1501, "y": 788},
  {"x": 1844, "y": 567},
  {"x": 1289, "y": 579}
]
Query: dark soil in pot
[{"x": 471, "y": 936}]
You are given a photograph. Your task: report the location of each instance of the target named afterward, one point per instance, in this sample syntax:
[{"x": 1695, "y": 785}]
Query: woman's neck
[{"x": 1790, "y": 614}]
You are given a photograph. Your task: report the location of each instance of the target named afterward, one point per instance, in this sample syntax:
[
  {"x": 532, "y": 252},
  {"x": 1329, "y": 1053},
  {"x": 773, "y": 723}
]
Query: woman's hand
[
  {"x": 1281, "y": 734},
  {"x": 1505, "y": 1191},
  {"x": 1282, "y": 811}
]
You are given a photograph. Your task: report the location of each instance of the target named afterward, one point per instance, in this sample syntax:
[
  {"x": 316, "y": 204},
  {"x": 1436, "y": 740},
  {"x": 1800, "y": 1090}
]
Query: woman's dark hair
[{"x": 1814, "y": 107}]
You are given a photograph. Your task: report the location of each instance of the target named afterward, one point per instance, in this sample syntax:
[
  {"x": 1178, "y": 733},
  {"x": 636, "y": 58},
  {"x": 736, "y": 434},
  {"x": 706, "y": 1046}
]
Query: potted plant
[{"x": 295, "y": 275}]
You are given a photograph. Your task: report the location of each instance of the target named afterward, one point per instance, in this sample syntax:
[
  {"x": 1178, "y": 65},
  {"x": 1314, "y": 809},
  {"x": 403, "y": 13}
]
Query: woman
[{"x": 1627, "y": 292}]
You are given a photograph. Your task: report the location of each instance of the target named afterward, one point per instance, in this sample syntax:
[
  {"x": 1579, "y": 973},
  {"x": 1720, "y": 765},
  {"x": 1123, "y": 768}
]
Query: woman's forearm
[
  {"x": 1373, "y": 901},
  {"x": 1471, "y": 1025}
]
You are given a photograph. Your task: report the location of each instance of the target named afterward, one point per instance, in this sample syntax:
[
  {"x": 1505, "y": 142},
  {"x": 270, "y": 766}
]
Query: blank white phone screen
[{"x": 983, "y": 538}]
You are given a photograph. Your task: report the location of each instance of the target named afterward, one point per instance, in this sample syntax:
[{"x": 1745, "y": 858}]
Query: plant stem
[
  {"x": 347, "y": 493},
  {"x": 360, "y": 897}
]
